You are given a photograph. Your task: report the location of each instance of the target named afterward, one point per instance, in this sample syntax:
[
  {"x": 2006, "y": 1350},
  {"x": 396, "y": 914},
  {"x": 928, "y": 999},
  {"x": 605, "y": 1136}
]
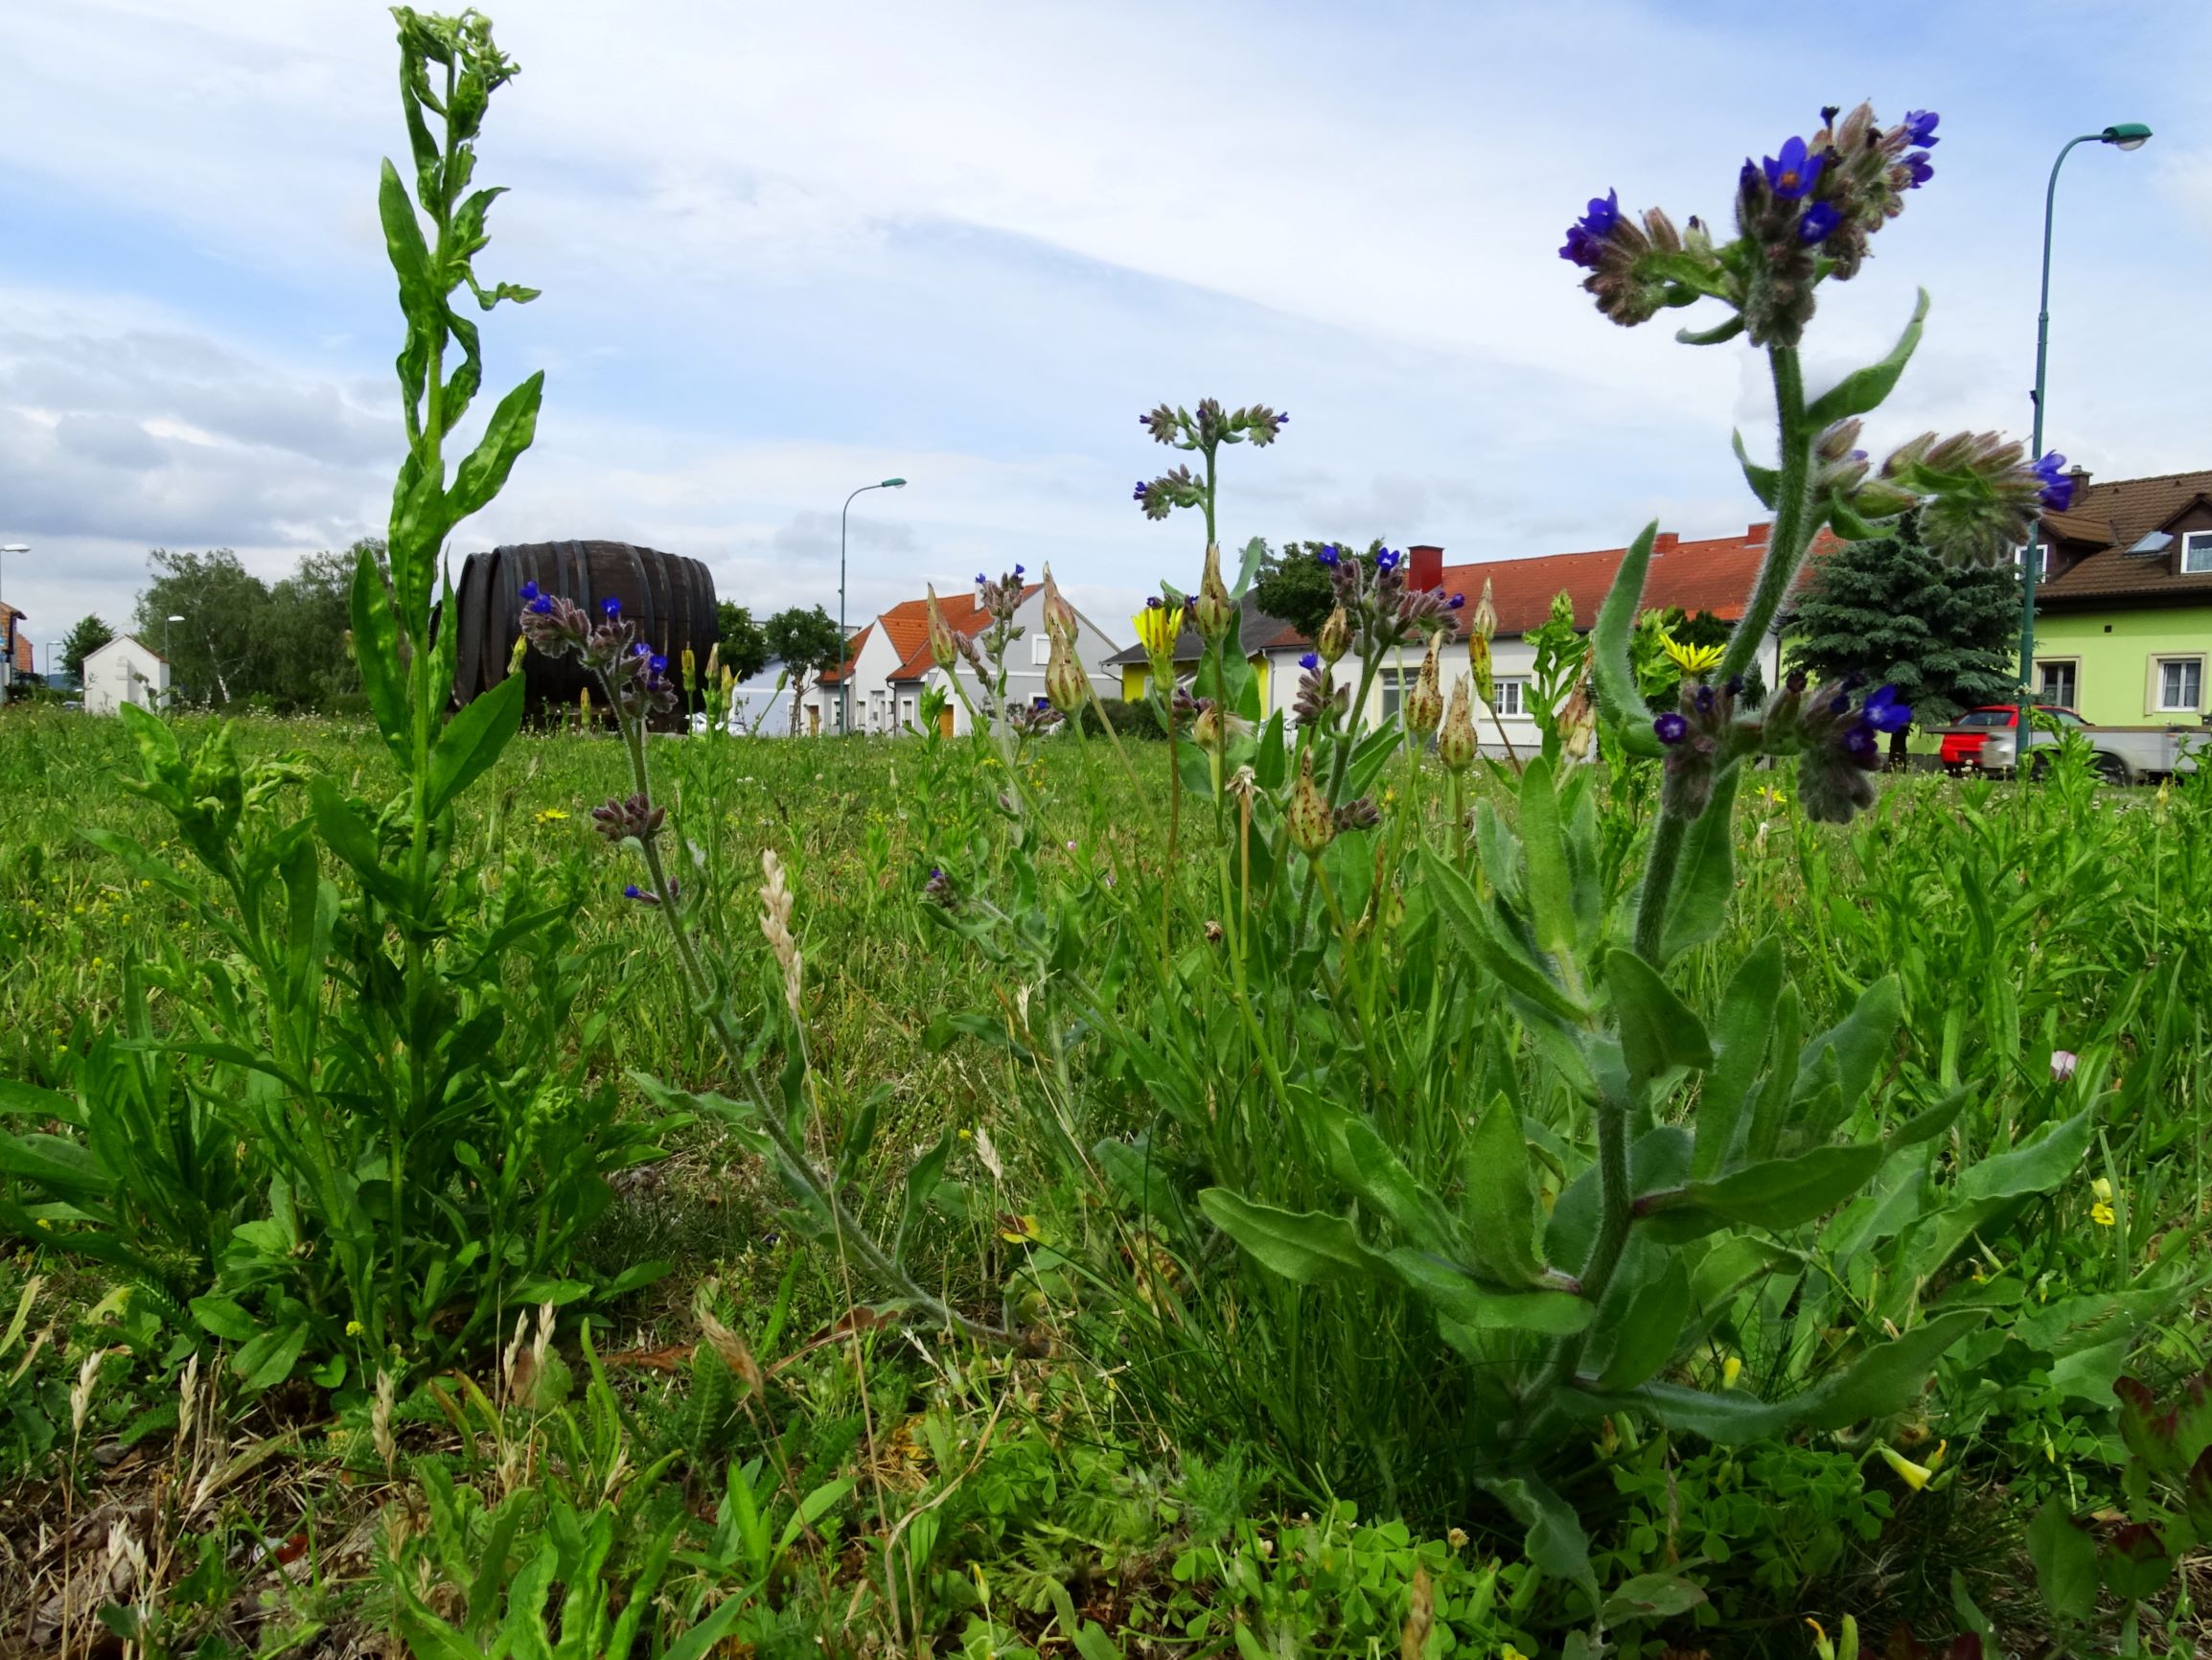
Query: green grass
[{"x": 1134, "y": 1465}]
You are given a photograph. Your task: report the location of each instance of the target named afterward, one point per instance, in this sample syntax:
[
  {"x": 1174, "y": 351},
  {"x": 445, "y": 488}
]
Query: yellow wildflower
[
  {"x": 355, "y": 1328},
  {"x": 2103, "y": 1215},
  {"x": 1692, "y": 659},
  {"x": 1914, "y": 1476},
  {"x": 1157, "y": 626},
  {"x": 1731, "y": 1369}
]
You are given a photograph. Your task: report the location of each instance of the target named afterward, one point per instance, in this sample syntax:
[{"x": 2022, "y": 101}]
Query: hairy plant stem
[{"x": 1665, "y": 857}]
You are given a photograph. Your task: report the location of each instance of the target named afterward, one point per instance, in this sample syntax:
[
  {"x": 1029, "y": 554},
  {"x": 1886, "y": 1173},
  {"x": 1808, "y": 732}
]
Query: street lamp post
[
  {"x": 2126, "y": 135},
  {"x": 168, "y": 661},
  {"x": 8, "y": 621},
  {"x": 845, "y": 663}
]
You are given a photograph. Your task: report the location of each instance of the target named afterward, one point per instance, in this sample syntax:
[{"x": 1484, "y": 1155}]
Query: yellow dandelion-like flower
[
  {"x": 2103, "y": 1215},
  {"x": 355, "y": 1328},
  {"x": 1692, "y": 659},
  {"x": 1157, "y": 627}
]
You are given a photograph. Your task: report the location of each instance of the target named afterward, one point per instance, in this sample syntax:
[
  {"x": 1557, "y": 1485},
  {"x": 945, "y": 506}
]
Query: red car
[{"x": 1963, "y": 745}]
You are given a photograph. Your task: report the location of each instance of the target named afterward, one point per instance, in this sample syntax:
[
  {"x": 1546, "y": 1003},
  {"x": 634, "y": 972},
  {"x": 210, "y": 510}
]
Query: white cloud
[{"x": 786, "y": 249}]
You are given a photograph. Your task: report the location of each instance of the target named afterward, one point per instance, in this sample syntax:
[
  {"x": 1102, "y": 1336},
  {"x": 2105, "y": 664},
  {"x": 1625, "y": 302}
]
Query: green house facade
[{"x": 2124, "y": 610}]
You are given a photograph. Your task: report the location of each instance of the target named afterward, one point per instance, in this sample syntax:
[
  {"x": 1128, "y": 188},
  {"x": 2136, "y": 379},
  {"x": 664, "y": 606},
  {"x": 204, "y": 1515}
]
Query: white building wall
[{"x": 121, "y": 672}]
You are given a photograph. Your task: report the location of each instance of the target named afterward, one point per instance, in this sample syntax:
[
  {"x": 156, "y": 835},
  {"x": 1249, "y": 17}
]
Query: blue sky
[{"x": 785, "y": 250}]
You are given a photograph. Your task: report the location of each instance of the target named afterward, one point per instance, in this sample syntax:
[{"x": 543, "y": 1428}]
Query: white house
[
  {"x": 891, "y": 667},
  {"x": 124, "y": 671},
  {"x": 1713, "y": 575}
]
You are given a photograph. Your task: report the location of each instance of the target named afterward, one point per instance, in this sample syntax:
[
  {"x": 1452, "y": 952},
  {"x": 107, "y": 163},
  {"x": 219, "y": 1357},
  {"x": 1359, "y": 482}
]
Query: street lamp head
[
  {"x": 17, "y": 548},
  {"x": 894, "y": 484},
  {"x": 177, "y": 619},
  {"x": 2126, "y": 135}
]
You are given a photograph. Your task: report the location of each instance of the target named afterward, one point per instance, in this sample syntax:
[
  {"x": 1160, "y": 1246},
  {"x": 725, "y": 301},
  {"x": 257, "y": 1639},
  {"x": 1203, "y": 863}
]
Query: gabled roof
[
  {"x": 835, "y": 676},
  {"x": 120, "y": 639},
  {"x": 2102, "y": 525},
  {"x": 908, "y": 623}
]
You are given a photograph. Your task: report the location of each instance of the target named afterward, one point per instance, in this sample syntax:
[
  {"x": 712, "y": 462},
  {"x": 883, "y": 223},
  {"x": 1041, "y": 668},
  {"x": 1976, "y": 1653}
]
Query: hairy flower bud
[
  {"x": 1455, "y": 739},
  {"x": 1335, "y": 636},
  {"x": 1356, "y": 814},
  {"x": 1059, "y": 615},
  {"x": 1064, "y": 681},
  {"x": 1311, "y": 827},
  {"x": 1424, "y": 704},
  {"x": 1214, "y": 611},
  {"x": 942, "y": 651},
  {"x": 1838, "y": 441}
]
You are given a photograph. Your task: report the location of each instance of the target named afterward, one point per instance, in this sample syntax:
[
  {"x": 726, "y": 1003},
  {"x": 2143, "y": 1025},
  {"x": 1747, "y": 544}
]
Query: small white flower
[{"x": 2063, "y": 1065}]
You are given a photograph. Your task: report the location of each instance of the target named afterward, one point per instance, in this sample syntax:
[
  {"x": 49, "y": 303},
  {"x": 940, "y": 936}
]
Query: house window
[
  {"x": 1395, "y": 683},
  {"x": 2058, "y": 682},
  {"x": 906, "y": 710},
  {"x": 2042, "y": 558},
  {"x": 1510, "y": 693},
  {"x": 2178, "y": 683},
  {"x": 2196, "y": 552},
  {"x": 1040, "y": 650}
]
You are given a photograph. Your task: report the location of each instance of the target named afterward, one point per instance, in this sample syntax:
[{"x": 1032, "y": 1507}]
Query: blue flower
[
  {"x": 2058, "y": 488},
  {"x": 1793, "y": 172},
  {"x": 1818, "y": 224},
  {"x": 1310, "y": 661},
  {"x": 1282, "y": 419},
  {"x": 633, "y": 891},
  {"x": 1670, "y": 727},
  {"x": 1917, "y": 170},
  {"x": 1920, "y": 127},
  {"x": 542, "y": 606},
  {"x": 1017, "y": 570},
  {"x": 1387, "y": 560},
  {"x": 1458, "y": 602},
  {"x": 611, "y": 606},
  {"x": 639, "y": 649},
  {"x": 1858, "y": 742},
  {"x": 1586, "y": 236},
  {"x": 1142, "y": 487},
  {"x": 981, "y": 581},
  {"x": 1883, "y": 713},
  {"x": 1154, "y": 603},
  {"x": 1328, "y": 556},
  {"x": 529, "y": 590},
  {"x": 660, "y": 663}
]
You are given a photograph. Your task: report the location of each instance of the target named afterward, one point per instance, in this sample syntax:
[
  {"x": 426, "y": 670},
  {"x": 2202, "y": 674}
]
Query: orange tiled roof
[{"x": 908, "y": 625}]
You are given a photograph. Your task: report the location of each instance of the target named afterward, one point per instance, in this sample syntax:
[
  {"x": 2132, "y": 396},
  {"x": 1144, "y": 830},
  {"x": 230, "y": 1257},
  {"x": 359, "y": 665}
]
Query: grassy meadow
[{"x": 743, "y": 1450}]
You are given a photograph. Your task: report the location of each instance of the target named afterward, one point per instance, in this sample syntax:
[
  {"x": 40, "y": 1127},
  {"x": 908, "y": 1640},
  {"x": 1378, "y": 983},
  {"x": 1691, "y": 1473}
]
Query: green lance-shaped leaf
[
  {"x": 417, "y": 534},
  {"x": 1367, "y": 1166},
  {"x": 472, "y": 740},
  {"x": 1769, "y": 1108},
  {"x": 1502, "y": 1195},
  {"x": 1884, "y": 1380},
  {"x": 1777, "y": 1193},
  {"x": 1309, "y": 1246},
  {"x": 1658, "y": 1030},
  {"x": 1555, "y": 1543},
  {"x": 1618, "y": 693},
  {"x": 347, "y": 834},
  {"x": 1705, "y": 883},
  {"x": 1457, "y": 901},
  {"x": 1544, "y": 848},
  {"x": 2065, "y": 1556},
  {"x": 922, "y": 1179},
  {"x": 406, "y": 248},
  {"x": 2034, "y": 1168},
  {"x": 1718, "y": 334},
  {"x": 1766, "y": 481},
  {"x": 377, "y": 655},
  {"x": 1650, "y": 1327},
  {"x": 1746, "y": 1021},
  {"x": 1863, "y": 389},
  {"x": 1860, "y": 1043},
  {"x": 513, "y": 426},
  {"x": 1457, "y": 1298}
]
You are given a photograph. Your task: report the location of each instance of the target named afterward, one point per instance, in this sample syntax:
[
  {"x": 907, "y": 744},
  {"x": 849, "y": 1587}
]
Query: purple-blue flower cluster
[
  {"x": 1587, "y": 235},
  {"x": 2058, "y": 492}
]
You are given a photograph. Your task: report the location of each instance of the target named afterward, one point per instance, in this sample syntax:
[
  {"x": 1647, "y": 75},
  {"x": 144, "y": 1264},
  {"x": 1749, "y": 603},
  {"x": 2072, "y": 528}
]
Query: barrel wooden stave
[{"x": 669, "y": 597}]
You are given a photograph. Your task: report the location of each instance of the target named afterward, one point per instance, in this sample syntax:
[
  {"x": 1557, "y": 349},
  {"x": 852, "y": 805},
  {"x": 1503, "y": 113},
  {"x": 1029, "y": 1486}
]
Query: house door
[
  {"x": 945, "y": 721},
  {"x": 813, "y": 719}
]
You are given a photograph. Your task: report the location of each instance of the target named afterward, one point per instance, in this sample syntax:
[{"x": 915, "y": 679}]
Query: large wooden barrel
[{"x": 669, "y": 597}]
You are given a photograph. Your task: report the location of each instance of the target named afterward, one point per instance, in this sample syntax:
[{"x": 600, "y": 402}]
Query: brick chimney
[
  {"x": 1425, "y": 567},
  {"x": 1666, "y": 541},
  {"x": 2080, "y": 475},
  {"x": 1760, "y": 532}
]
